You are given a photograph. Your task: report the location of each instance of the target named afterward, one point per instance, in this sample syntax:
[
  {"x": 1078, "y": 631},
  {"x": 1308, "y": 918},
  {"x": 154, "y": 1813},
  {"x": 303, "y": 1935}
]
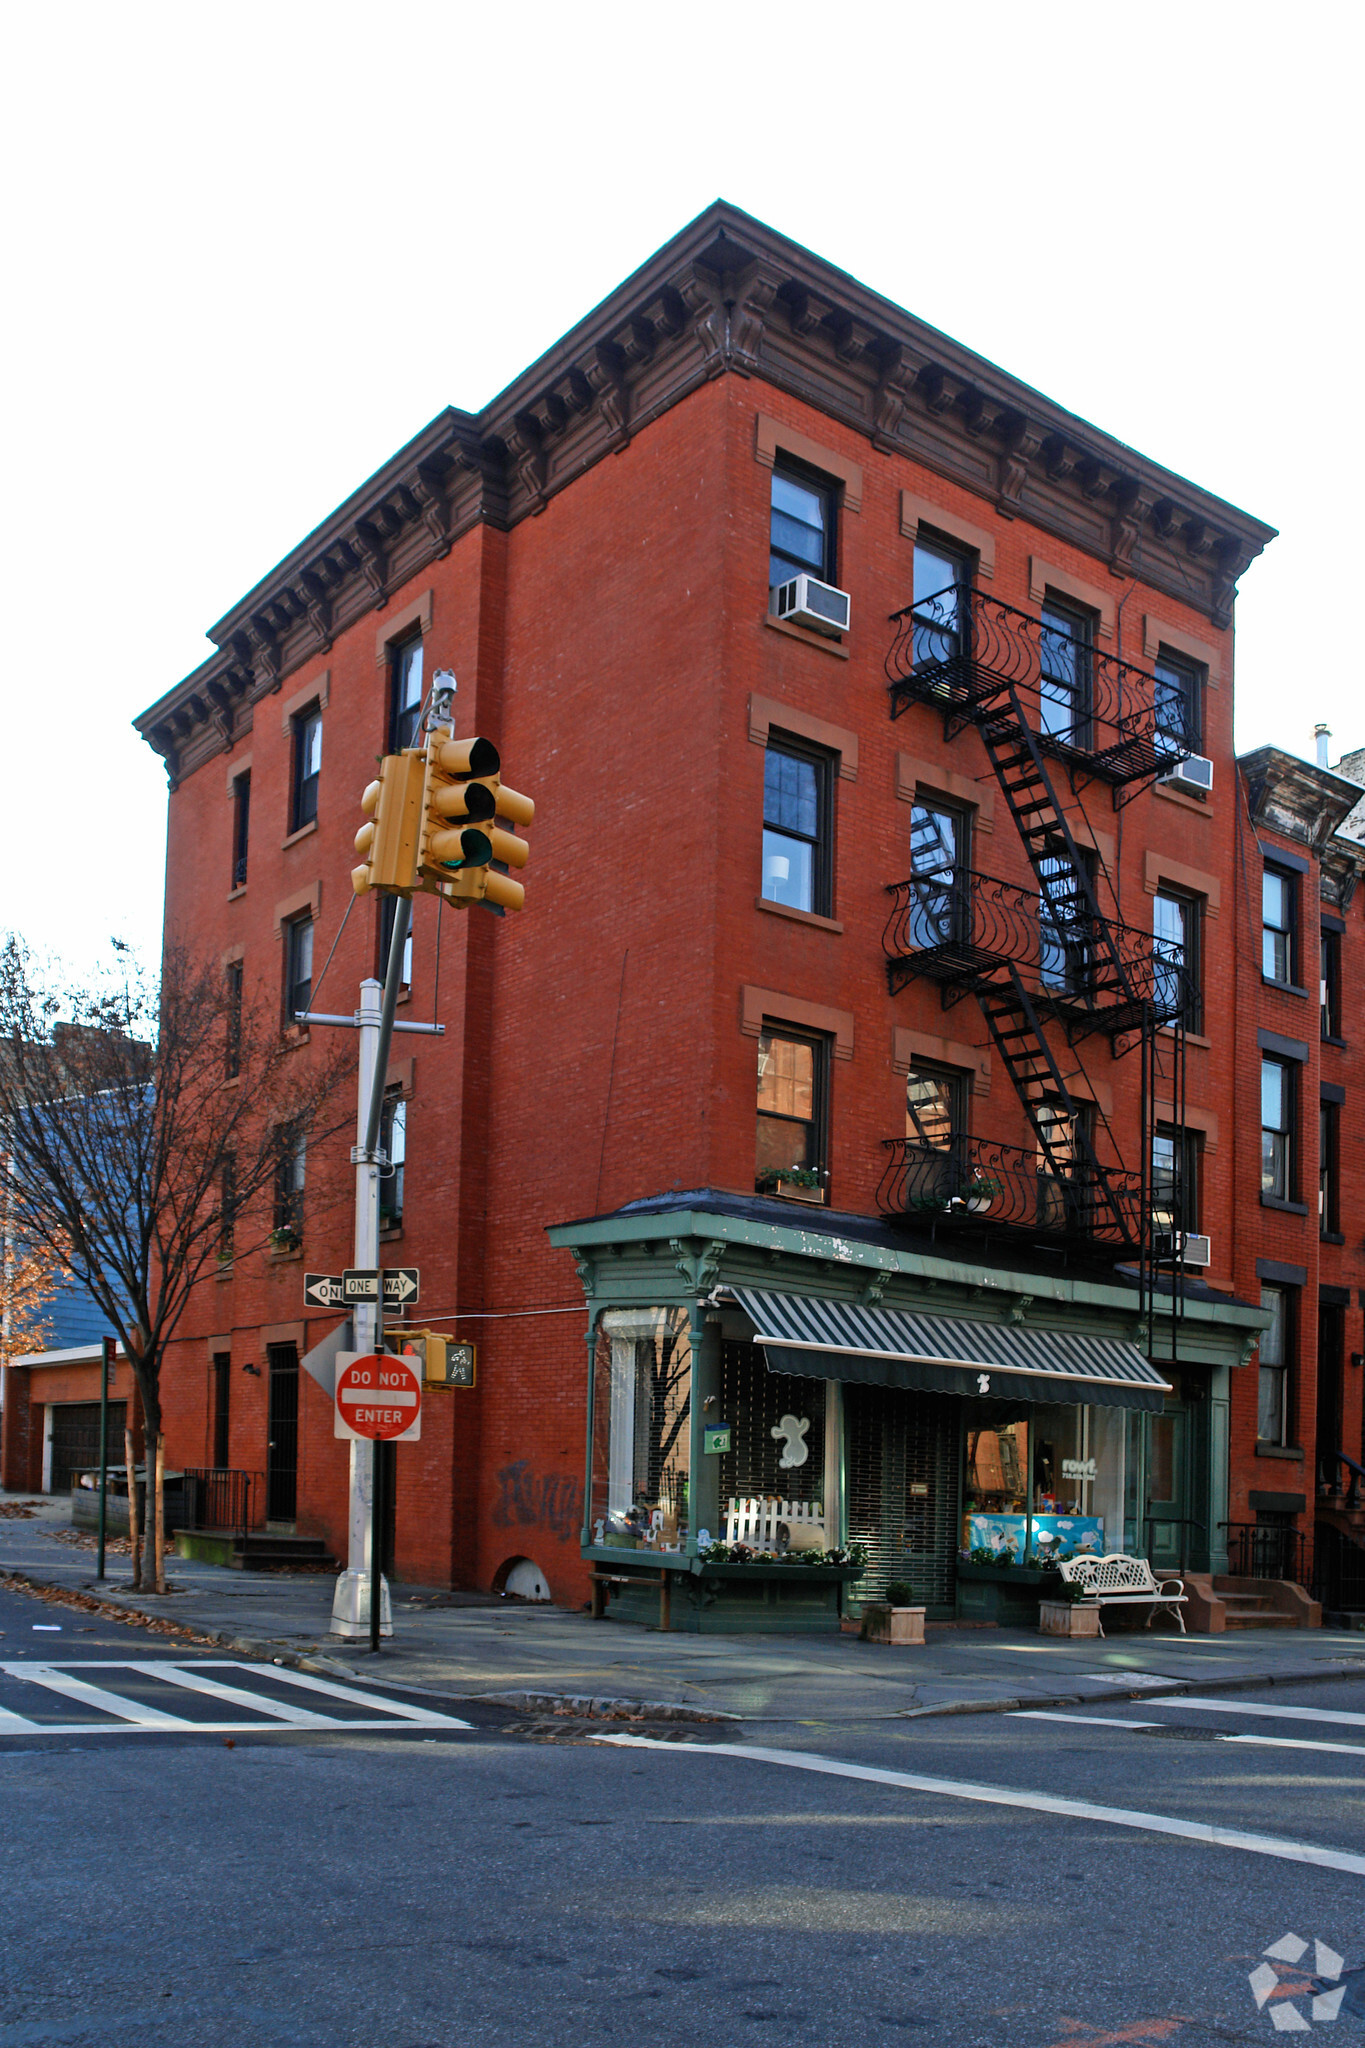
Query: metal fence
[
  {"x": 1258, "y": 1552},
  {"x": 218, "y": 1498}
]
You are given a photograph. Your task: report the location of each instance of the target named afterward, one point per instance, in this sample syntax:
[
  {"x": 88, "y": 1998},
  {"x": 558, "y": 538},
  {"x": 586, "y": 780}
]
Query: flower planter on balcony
[{"x": 792, "y": 1191}]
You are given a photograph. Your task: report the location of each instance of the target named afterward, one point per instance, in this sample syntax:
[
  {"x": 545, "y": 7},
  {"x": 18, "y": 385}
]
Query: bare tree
[{"x": 153, "y": 1127}]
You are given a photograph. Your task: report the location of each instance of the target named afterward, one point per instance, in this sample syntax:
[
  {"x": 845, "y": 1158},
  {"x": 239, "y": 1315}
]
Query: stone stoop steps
[
  {"x": 1217, "y": 1602},
  {"x": 260, "y": 1550}
]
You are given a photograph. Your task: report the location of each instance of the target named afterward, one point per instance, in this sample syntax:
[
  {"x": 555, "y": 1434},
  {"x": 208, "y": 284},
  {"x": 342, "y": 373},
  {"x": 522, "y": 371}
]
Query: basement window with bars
[{"x": 642, "y": 1404}]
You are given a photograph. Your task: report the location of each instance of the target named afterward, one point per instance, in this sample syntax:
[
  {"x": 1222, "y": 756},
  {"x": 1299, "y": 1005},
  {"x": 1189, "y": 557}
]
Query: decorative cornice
[
  {"x": 1293, "y": 797},
  {"x": 727, "y": 295}
]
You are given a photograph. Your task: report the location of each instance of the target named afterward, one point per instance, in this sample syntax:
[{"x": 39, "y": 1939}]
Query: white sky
[{"x": 252, "y": 249}]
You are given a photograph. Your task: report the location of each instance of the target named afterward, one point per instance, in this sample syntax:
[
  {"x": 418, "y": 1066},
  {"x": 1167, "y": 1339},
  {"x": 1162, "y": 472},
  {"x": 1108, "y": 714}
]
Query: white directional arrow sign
[
  {"x": 402, "y": 1285},
  {"x": 323, "y": 1290}
]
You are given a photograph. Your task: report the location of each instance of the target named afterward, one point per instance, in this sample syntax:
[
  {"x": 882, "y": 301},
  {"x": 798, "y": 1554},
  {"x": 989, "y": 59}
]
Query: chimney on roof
[{"x": 1322, "y": 733}]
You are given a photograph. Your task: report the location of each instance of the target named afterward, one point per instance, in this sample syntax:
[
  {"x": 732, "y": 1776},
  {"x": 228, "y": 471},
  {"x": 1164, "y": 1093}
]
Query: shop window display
[
  {"x": 641, "y": 1429},
  {"x": 1044, "y": 1482}
]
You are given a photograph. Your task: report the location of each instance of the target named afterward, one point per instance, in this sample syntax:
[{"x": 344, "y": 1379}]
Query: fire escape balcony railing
[
  {"x": 980, "y": 1182},
  {"x": 960, "y": 929},
  {"x": 978, "y": 660}
]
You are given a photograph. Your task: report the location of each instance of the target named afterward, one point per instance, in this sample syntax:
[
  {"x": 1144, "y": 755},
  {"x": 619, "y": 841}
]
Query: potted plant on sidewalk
[
  {"x": 894, "y": 1619},
  {"x": 1066, "y": 1609}
]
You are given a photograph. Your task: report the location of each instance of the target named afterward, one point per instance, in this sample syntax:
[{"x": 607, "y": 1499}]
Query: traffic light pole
[{"x": 361, "y": 1603}]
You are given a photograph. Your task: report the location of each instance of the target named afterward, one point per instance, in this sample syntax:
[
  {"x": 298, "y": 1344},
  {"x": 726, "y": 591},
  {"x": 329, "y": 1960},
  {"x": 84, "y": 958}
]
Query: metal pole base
[{"x": 351, "y": 1606}]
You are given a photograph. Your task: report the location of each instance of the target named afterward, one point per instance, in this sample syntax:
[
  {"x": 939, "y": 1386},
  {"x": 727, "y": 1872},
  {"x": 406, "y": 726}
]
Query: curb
[{"x": 600, "y": 1706}]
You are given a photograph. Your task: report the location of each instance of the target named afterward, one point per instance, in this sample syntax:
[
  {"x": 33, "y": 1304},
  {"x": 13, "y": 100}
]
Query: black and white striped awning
[{"x": 835, "y": 1340}]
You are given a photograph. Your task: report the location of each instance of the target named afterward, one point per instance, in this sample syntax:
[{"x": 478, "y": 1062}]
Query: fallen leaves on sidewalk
[
  {"x": 67, "y": 1596},
  {"x": 18, "y": 1510},
  {"x": 81, "y": 1539}
]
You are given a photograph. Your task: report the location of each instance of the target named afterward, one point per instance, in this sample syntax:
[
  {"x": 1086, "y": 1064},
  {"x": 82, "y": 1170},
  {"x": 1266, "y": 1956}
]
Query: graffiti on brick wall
[{"x": 541, "y": 1500}]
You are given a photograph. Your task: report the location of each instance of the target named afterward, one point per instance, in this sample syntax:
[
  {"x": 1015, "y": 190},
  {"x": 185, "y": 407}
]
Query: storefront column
[
  {"x": 836, "y": 1497},
  {"x": 704, "y": 1480},
  {"x": 591, "y": 1341},
  {"x": 1219, "y": 1403}
]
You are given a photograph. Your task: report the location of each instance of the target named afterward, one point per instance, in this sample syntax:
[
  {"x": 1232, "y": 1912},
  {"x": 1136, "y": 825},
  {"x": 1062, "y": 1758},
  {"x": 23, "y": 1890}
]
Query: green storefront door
[{"x": 1168, "y": 1530}]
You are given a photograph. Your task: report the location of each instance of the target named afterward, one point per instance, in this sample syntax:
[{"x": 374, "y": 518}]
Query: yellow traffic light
[
  {"x": 388, "y": 843},
  {"x": 462, "y": 799}
]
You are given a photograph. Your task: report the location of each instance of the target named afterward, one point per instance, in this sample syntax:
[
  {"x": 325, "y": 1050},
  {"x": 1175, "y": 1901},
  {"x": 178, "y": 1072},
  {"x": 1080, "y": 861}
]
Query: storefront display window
[
  {"x": 641, "y": 1429},
  {"x": 1044, "y": 1483}
]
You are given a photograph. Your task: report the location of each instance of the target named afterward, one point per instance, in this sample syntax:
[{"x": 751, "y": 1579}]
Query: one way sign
[
  {"x": 323, "y": 1290},
  {"x": 402, "y": 1285}
]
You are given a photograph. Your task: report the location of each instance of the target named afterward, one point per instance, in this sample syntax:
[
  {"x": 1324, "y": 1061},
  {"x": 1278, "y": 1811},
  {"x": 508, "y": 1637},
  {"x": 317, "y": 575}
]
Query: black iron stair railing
[
  {"x": 961, "y": 929},
  {"x": 978, "y": 1180},
  {"x": 963, "y": 652}
]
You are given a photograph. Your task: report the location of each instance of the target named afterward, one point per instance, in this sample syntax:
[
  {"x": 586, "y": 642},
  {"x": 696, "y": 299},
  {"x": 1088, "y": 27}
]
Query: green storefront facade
[{"x": 759, "y": 1372}]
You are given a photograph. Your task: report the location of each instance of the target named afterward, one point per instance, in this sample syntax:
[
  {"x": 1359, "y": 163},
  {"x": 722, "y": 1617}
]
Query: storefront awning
[{"x": 835, "y": 1340}]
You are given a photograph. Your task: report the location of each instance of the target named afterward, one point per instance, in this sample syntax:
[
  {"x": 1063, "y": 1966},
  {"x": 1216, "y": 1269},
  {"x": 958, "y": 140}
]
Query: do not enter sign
[{"x": 378, "y": 1397}]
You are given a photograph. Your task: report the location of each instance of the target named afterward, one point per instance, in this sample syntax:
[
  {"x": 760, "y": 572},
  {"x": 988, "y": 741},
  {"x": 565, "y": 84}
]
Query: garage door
[{"x": 76, "y": 1439}]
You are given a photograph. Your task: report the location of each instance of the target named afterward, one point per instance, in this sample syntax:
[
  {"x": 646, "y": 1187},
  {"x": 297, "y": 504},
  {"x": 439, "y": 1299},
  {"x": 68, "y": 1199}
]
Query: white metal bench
[
  {"x": 756, "y": 1521},
  {"x": 1120, "y": 1581}
]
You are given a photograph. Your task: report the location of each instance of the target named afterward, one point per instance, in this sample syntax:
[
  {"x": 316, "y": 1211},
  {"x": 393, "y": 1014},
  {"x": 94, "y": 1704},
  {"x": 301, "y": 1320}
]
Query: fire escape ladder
[
  {"x": 1037, "y": 1079},
  {"x": 1063, "y": 876}
]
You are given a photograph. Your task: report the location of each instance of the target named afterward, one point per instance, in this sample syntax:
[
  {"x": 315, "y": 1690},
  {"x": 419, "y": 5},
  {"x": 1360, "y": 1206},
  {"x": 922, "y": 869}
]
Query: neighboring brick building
[{"x": 959, "y": 1070}]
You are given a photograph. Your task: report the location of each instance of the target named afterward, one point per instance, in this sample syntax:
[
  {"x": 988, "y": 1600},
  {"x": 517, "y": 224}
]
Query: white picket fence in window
[{"x": 755, "y": 1521}]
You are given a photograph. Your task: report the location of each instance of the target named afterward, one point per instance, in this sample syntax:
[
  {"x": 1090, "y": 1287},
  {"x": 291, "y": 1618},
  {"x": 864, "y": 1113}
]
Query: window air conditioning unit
[
  {"x": 807, "y": 602},
  {"x": 1168, "y": 1246},
  {"x": 1194, "y": 772}
]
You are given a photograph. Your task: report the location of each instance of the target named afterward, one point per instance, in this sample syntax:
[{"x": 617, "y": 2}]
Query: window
[
  {"x": 241, "y": 827},
  {"x": 1329, "y": 984},
  {"x": 935, "y": 1106},
  {"x": 797, "y": 804},
  {"x": 801, "y": 532},
  {"x": 1064, "y": 923},
  {"x": 307, "y": 768},
  {"x": 1179, "y": 699},
  {"x": 1277, "y": 926},
  {"x": 222, "y": 1410},
  {"x": 1277, "y": 1129},
  {"x": 290, "y": 1170},
  {"x": 1175, "y": 978},
  {"x": 388, "y": 911},
  {"x": 1175, "y": 1180},
  {"x": 939, "y": 872},
  {"x": 791, "y": 1114},
  {"x": 1272, "y": 1405},
  {"x": 233, "y": 1049},
  {"x": 942, "y": 582},
  {"x": 405, "y": 694},
  {"x": 1329, "y": 1152},
  {"x": 1061, "y": 1201},
  {"x": 298, "y": 982},
  {"x": 393, "y": 1135},
  {"x": 1064, "y": 645}
]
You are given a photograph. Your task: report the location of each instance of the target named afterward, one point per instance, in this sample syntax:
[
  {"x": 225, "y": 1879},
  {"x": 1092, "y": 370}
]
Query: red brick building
[{"x": 889, "y": 878}]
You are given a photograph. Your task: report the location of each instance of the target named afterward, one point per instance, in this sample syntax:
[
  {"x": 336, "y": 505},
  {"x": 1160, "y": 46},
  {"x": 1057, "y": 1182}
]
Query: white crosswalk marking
[
  {"x": 132, "y": 1716},
  {"x": 1337, "y": 1718},
  {"x": 1295, "y": 1742},
  {"x": 72, "y": 1687},
  {"x": 237, "y": 1696},
  {"x": 1090, "y": 1720}
]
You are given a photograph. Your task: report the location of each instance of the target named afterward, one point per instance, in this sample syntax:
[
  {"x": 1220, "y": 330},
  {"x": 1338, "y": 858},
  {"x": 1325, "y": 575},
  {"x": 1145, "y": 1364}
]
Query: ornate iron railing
[
  {"x": 957, "y": 928},
  {"x": 963, "y": 651},
  {"x": 978, "y": 1181},
  {"x": 1255, "y": 1552},
  {"x": 216, "y": 1497}
]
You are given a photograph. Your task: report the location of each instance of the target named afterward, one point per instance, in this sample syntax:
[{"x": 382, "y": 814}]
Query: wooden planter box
[
  {"x": 792, "y": 1191},
  {"x": 1068, "y": 1618},
  {"x": 884, "y": 1624}
]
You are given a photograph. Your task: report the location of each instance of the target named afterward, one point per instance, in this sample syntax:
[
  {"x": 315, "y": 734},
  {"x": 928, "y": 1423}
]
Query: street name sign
[
  {"x": 360, "y": 1283},
  {"x": 324, "y": 1290},
  {"x": 402, "y": 1284},
  {"x": 378, "y": 1397}
]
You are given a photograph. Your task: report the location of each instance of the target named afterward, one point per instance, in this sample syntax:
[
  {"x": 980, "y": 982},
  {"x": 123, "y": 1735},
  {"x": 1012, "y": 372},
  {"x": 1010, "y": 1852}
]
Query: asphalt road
[{"x": 215, "y": 1853}]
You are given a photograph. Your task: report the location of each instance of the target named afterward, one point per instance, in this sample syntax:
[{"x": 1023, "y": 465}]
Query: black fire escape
[{"x": 1051, "y": 967}]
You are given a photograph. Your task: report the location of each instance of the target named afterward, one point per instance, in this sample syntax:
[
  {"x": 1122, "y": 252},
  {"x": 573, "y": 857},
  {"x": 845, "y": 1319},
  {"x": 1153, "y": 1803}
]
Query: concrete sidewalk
[{"x": 472, "y": 1644}]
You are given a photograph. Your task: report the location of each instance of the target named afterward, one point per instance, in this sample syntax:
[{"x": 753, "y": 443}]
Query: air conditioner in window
[
  {"x": 1188, "y": 1246},
  {"x": 1194, "y": 772},
  {"x": 805, "y": 601}
]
